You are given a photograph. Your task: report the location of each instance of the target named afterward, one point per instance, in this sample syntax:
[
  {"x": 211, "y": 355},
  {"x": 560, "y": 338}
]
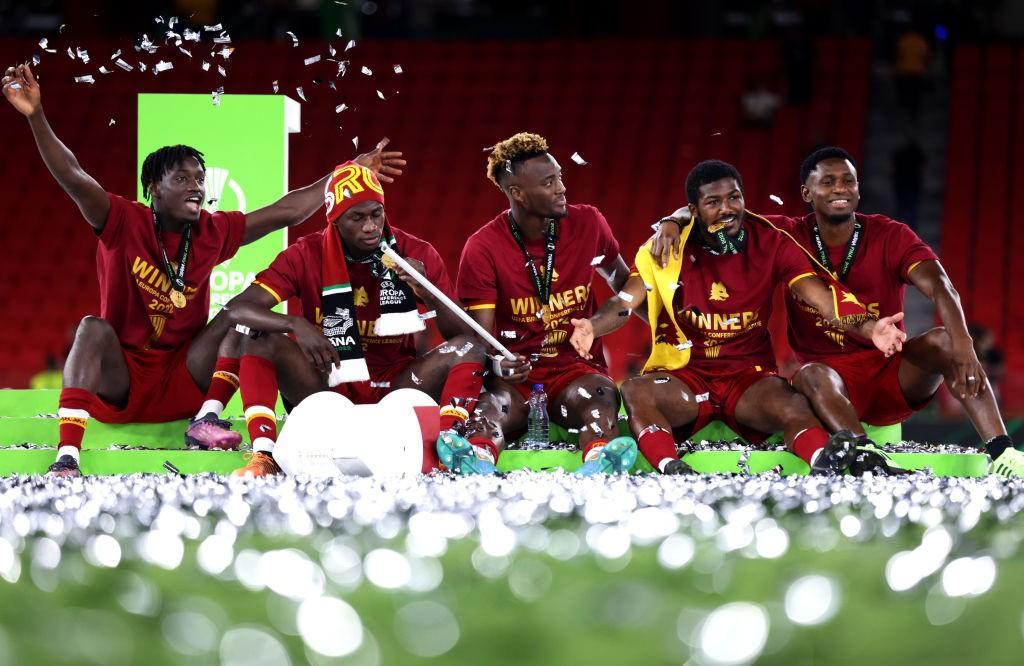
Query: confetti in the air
[
  {"x": 83, "y": 55},
  {"x": 111, "y": 123},
  {"x": 338, "y": 32},
  {"x": 578, "y": 159},
  {"x": 142, "y": 66},
  {"x": 398, "y": 69},
  {"x": 340, "y": 108},
  {"x": 351, "y": 44},
  {"x": 275, "y": 86},
  {"x": 85, "y": 79},
  {"x": 295, "y": 40},
  {"x": 222, "y": 38},
  {"x": 71, "y": 54},
  {"x": 429, "y": 314},
  {"x": 191, "y": 35},
  {"x": 226, "y": 52},
  {"x": 366, "y": 70},
  {"x": 415, "y": 380},
  {"x": 213, "y": 28},
  {"x": 355, "y": 142},
  {"x": 380, "y": 94},
  {"x": 185, "y": 51},
  {"x": 206, "y": 66},
  {"x": 44, "y": 43},
  {"x": 220, "y": 70},
  {"x": 162, "y": 66},
  {"x": 596, "y": 261},
  {"x": 776, "y": 198},
  {"x": 104, "y": 70},
  {"x": 123, "y": 65},
  {"x": 302, "y": 95},
  {"x": 311, "y": 60}
]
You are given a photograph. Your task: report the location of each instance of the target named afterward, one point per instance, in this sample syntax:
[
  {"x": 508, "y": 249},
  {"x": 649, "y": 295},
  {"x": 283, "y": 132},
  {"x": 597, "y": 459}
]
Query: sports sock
[
  {"x": 995, "y": 446},
  {"x": 658, "y": 446},
  {"x": 808, "y": 443},
  {"x": 223, "y": 385},
  {"x": 460, "y": 393},
  {"x": 258, "y": 380},
  {"x": 72, "y": 411},
  {"x": 592, "y": 449}
]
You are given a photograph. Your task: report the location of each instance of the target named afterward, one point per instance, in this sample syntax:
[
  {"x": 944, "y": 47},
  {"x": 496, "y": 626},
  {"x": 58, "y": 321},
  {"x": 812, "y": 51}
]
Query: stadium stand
[{"x": 640, "y": 114}]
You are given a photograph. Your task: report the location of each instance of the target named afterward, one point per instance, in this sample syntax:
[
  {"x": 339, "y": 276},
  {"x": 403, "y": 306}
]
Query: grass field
[{"x": 533, "y": 568}]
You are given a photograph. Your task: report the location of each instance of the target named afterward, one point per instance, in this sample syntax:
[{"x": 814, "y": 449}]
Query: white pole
[{"x": 447, "y": 302}]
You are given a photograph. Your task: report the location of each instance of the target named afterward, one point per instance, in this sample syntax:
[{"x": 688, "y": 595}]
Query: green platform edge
[{"x": 20, "y": 422}]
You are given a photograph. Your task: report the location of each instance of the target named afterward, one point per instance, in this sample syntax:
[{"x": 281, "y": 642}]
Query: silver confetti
[
  {"x": 313, "y": 59},
  {"x": 351, "y": 43},
  {"x": 429, "y": 314},
  {"x": 337, "y": 33},
  {"x": 464, "y": 349},
  {"x": 220, "y": 70},
  {"x": 225, "y": 52},
  {"x": 625, "y": 297},
  {"x": 83, "y": 55},
  {"x": 596, "y": 261},
  {"x": 185, "y": 51},
  {"x": 366, "y": 70},
  {"x": 380, "y": 94},
  {"x": 162, "y": 66},
  {"x": 88, "y": 78},
  {"x": 702, "y": 397},
  {"x": 731, "y": 320},
  {"x": 123, "y": 65},
  {"x": 104, "y": 70},
  {"x": 578, "y": 159},
  {"x": 380, "y": 384},
  {"x": 222, "y": 38},
  {"x": 206, "y": 66},
  {"x": 111, "y": 123},
  {"x": 776, "y": 199},
  {"x": 596, "y": 413},
  {"x": 213, "y": 28},
  {"x": 398, "y": 69},
  {"x": 415, "y": 380},
  {"x": 302, "y": 95},
  {"x": 355, "y": 142},
  {"x": 661, "y": 380},
  {"x": 44, "y": 43},
  {"x": 215, "y": 95},
  {"x": 583, "y": 393},
  {"x": 565, "y": 412},
  {"x": 275, "y": 86},
  {"x": 508, "y": 335},
  {"x": 331, "y": 50},
  {"x": 191, "y": 35},
  {"x": 684, "y": 345},
  {"x": 295, "y": 40}
]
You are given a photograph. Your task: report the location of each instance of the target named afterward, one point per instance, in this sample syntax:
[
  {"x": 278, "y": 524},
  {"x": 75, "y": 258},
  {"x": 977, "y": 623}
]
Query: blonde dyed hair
[{"x": 517, "y": 147}]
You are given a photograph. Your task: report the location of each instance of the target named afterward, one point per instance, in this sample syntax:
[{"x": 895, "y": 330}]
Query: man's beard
[{"x": 839, "y": 219}]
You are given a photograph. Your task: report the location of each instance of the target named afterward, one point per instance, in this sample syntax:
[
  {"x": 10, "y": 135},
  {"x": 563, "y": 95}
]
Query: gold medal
[
  {"x": 177, "y": 298},
  {"x": 716, "y": 227}
]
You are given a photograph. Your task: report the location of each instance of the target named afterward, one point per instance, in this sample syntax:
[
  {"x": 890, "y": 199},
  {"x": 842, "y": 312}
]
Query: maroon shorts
[
  {"x": 557, "y": 377},
  {"x": 160, "y": 389},
  {"x": 379, "y": 385},
  {"x": 873, "y": 385},
  {"x": 724, "y": 391}
]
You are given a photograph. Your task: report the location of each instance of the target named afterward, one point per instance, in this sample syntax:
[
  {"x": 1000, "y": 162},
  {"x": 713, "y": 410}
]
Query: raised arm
[
  {"x": 22, "y": 91},
  {"x": 252, "y": 308},
  {"x": 609, "y": 317},
  {"x": 931, "y": 280},
  {"x": 296, "y": 206},
  {"x": 884, "y": 333}
]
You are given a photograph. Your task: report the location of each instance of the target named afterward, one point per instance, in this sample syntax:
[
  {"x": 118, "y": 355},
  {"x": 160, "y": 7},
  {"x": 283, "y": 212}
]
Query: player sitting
[{"x": 358, "y": 315}]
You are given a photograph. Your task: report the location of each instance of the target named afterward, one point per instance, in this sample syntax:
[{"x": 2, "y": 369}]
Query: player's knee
[
  {"x": 634, "y": 390},
  {"x": 92, "y": 330},
  {"x": 814, "y": 378}
]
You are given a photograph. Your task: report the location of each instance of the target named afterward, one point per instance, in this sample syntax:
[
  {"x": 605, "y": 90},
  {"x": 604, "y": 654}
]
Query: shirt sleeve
[
  {"x": 114, "y": 226},
  {"x": 477, "y": 281},
  {"x": 282, "y": 277},
  {"x": 909, "y": 249},
  {"x": 791, "y": 262},
  {"x": 233, "y": 223}
]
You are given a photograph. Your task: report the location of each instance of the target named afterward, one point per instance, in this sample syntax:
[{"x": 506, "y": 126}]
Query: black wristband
[{"x": 671, "y": 219}]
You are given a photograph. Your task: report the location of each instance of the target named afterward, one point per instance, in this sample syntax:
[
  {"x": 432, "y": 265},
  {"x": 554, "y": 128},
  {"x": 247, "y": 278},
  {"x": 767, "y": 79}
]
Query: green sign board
[{"x": 244, "y": 141}]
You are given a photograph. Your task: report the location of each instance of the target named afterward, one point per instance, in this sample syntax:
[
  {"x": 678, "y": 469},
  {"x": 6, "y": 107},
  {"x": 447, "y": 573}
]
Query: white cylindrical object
[{"x": 440, "y": 295}]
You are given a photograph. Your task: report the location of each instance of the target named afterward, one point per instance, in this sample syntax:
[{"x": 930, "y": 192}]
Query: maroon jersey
[
  {"x": 134, "y": 284},
  {"x": 878, "y": 276},
  {"x": 724, "y": 301},
  {"x": 297, "y": 272},
  {"x": 493, "y": 275}
]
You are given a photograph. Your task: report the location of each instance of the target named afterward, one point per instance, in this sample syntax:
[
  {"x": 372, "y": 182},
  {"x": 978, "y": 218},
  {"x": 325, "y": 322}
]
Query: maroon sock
[
  {"x": 258, "y": 380},
  {"x": 656, "y": 444},
  {"x": 73, "y": 413},
  {"x": 225, "y": 380},
  {"x": 461, "y": 389},
  {"x": 594, "y": 443},
  {"x": 807, "y": 442}
]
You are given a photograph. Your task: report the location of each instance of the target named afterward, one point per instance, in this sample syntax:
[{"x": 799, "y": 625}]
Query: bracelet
[{"x": 671, "y": 219}]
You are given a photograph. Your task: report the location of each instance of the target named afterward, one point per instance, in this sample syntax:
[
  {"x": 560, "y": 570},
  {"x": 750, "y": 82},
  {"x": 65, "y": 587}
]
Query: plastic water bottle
[{"x": 537, "y": 422}]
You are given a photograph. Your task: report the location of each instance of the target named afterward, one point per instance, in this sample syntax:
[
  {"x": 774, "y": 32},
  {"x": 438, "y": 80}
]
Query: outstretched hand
[
  {"x": 886, "y": 336},
  {"x": 22, "y": 90},
  {"x": 384, "y": 164},
  {"x": 582, "y": 338}
]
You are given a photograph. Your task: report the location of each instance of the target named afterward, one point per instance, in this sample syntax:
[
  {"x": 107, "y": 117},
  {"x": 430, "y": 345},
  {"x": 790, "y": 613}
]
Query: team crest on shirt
[
  {"x": 337, "y": 324},
  {"x": 718, "y": 292},
  {"x": 158, "y": 322},
  {"x": 360, "y": 297}
]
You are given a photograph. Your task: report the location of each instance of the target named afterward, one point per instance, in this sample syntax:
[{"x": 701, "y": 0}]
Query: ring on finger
[{"x": 971, "y": 379}]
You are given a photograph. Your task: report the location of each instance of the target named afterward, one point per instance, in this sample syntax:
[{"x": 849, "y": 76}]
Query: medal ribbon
[
  {"x": 550, "y": 237},
  {"x": 728, "y": 245},
  {"x": 177, "y": 278},
  {"x": 848, "y": 256}
]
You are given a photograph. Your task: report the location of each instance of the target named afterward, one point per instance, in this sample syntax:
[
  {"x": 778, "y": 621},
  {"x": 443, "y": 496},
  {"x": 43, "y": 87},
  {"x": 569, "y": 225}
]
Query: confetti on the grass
[
  {"x": 313, "y": 59},
  {"x": 215, "y": 95},
  {"x": 380, "y": 94},
  {"x": 275, "y": 86},
  {"x": 398, "y": 69},
  {"x": 302, "y": 95},
  {"x": 295, "y": 40},
  {"x": 578, "y": 159},
  {"x": 429, "y": 314},
  {"x": 661, "y": 380},
  {"x": 684, "y": 345},
  {"x": 85, "y": 79},
  {"x": 213, "y": 28},
  {"x": 351, "y": 43},
  {"x": 596, "y": 261},
  {"x": 702, "y": 397},
  {"x": 625, "y": 297},
  {"x": 583, "y": 393},
  {"x": 162, "y": 66},
  {"x": 206, "y": 66},
  {"x": 366, "y": 70},
  {"x": 777, "y": 199},
  {"x": 355, "y": 142},
  {"x": 340, "y": 108},
  {"x": 510, "y": 335}
]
